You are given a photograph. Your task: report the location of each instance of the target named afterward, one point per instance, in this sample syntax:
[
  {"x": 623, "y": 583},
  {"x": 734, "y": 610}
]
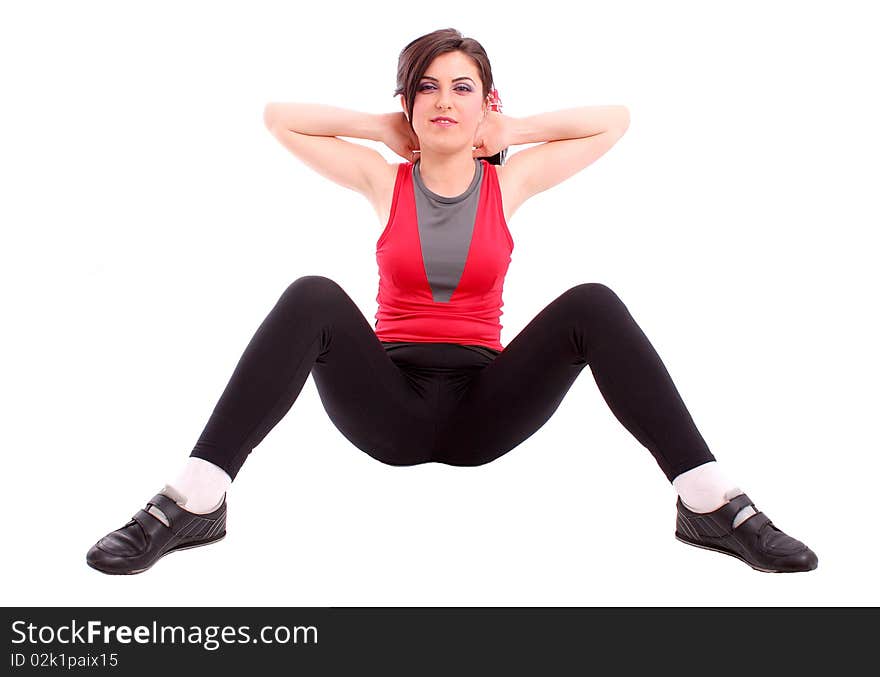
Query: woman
[{"x": 431, "y": 382}]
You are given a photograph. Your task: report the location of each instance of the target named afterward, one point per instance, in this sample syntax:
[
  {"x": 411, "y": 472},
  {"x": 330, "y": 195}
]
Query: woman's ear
[{"x": 403, "y": 106}]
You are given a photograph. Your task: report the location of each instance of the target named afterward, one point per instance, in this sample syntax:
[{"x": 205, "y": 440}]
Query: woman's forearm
[
  {"x": 321, "y": 120},
  {"x": 571, "y": 123}
]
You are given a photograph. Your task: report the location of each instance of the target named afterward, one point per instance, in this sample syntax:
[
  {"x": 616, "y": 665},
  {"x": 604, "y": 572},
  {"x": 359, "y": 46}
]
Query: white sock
[
  {"x": 202, "y": 485},
  {"x": 706, "y": 488}
]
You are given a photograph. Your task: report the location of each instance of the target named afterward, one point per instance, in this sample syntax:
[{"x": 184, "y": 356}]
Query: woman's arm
[
  {"x": 568, "y": 141},
  {"x": 314, "y": 119},
  {"x": 317, "y": 119},
  {"x": 309, "y": 132},
  {"x": 570, "y": 123}
]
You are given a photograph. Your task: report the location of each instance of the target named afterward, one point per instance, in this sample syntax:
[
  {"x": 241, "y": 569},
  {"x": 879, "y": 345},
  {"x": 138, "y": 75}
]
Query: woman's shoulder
[
  {"x": 511, "y": 199},
  {"x": 385, "y": 181}
]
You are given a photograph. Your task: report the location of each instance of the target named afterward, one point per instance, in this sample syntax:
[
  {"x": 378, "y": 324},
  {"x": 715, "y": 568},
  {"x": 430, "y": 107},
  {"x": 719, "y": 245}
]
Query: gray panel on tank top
[{"x": 446, "y": 226}]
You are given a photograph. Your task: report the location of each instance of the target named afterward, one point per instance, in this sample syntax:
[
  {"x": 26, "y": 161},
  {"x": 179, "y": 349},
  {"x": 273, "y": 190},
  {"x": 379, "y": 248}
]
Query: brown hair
[{"x": 418, "y": 55}]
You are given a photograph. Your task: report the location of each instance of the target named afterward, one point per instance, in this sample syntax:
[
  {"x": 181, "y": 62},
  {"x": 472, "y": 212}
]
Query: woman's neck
[{"x": 447, "y": 175}]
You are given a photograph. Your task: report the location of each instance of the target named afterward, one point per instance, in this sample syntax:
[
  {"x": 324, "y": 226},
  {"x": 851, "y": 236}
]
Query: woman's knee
[
  {"x": 593, "y": 296},
  {"x": 594, "y": 303},
  {"x": 312, "y": 289}
]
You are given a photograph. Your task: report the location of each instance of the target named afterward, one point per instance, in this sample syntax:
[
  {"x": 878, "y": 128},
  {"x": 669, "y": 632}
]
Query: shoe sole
[
  {"x": 732, "y": 554},
  {"x": 185, "y": 546}
]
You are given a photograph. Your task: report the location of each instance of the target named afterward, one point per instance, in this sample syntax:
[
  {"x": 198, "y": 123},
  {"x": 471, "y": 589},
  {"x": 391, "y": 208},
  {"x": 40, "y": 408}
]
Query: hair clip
[{"x": 494, "y": 101}]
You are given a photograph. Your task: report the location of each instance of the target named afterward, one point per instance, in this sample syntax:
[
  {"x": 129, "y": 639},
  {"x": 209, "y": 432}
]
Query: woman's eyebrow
[{"x": 463, "y": 77}]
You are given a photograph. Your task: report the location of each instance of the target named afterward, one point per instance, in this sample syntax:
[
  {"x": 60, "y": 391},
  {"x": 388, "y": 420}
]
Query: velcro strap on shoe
[
  {"x": 752, "y": 523},
  {"x": 167, "y": 505},
  {"x": 724, "y": 515},
  {"x": 152, "y": 525}
]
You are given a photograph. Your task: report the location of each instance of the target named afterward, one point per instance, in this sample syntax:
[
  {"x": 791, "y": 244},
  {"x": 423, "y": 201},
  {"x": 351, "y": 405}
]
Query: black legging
[{"x": 407, "y": 403}]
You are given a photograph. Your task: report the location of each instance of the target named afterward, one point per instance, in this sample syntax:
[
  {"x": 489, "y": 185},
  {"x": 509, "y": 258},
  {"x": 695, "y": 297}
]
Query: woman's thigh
[
  {"x": 515, "y": 395},
  {"x": 367, "y": 396},
  {"x": 316, "y": 328},
  {"x": 511, "y": 398}
]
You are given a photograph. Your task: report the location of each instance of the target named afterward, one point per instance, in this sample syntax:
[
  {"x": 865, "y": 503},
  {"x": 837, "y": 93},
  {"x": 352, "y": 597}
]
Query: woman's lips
[{"x": 444, "y": 123}]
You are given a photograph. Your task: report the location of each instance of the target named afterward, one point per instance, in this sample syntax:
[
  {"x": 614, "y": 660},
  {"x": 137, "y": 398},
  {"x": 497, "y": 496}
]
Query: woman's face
[{"x": 450, "y": 87}]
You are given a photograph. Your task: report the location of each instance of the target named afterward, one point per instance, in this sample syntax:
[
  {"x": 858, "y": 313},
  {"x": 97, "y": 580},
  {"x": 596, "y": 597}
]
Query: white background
[{"x": 150, "y": 222}]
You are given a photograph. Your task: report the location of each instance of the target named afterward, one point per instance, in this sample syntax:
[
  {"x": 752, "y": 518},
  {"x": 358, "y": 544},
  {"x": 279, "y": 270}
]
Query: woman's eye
[{"x": 460, "y": 88}]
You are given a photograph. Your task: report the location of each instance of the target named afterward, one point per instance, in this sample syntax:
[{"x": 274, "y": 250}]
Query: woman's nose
[{"x": 443, "y": 101}]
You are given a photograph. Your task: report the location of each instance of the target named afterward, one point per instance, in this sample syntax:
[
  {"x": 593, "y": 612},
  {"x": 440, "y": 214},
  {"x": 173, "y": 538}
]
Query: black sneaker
[
  {"x": 138, "y": 545},
  {"x": 756, "y": 541}
]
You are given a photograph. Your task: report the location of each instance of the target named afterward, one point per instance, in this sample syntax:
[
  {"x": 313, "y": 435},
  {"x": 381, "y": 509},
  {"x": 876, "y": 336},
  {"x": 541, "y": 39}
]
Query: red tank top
[{"x": 442, "y": 262}]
